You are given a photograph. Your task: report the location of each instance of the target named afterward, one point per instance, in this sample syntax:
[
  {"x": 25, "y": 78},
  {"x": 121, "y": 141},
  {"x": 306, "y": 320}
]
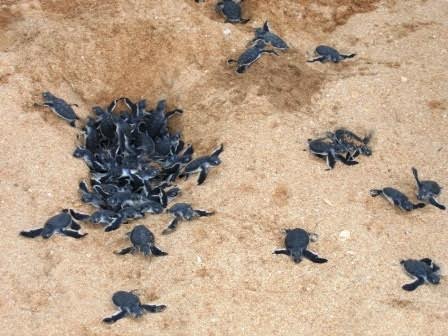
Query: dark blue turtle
[
  {"x": 60, "y": 107},
  {"x": 62, "y": 223},
  {"x": 296, "y": 244},
  {"x": 329, "y": 54},
  {"x": 129, "y": 304},
  {"x": 331, "y": 152},
  {"x": 267, "y": 36},
  {"x": 231, "y": 10},
  {"x": 251, "y": 54},
  {"x": 202, "y": 164},
  {"x": 423, "y": 270},
  {"x": 396, "y": 198},
  {"x": 353, "y": 143},
  {"x": 183, "y": 211},
  {"x": 142, "y": 240},
  {"x": 428, "y": 191}
]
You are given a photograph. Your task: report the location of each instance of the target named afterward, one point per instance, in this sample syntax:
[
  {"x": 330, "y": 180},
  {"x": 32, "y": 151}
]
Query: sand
[{"x": 220, "y": 277}]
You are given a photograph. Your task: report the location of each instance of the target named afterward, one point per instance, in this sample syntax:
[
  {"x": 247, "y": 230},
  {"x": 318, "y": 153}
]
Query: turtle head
[
  {"x": 408, "y": 206},
  {"x": 48, "y": 96},
  {"x": 260, "y": 44},
  {"x": 146, "y": 249},
  {"x": 434, "y": 278},
  {"x": 136, "y": 310},
  {"x": 214, "y": 160},
  {"x": 296, "y": 255},
  {"x": 47, "y": 232}
]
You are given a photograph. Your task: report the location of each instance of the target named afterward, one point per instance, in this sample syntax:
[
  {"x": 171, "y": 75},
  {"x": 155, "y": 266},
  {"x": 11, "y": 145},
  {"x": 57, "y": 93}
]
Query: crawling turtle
[
  {"x": 129, "y": 304},
  {"x": 231, "y": 10},
  {"x": 183, "y": 211},
  {"x": 202, "y": 164},
  {"x": 428, "y": 191},
  {"x": 251, "y": 55},
  {"x": 60, "y": 107},
  {"x": 142, "y": 240},
  {"x": 352, "y": 142},
  {"x": 423, "y": 270},
  {"x": 331, "y": 152},
  {"x": 110, "y": 219},
  {"x": 329, "y": 54},
  {"x": 397, "y": 198},
  {"x": 62, "y": 223},
  {"x": 265, "y": 34},
  {"x": 296, "y": 243}
]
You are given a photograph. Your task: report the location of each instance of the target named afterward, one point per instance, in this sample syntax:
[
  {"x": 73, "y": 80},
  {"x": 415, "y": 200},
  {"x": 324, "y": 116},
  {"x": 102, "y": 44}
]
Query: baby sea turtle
[
  {"x": 265, "y": 34},
  {"x": 202, "y": 164},
  {"x": 331, "y": 152},
  {"x": 60, "y": 107},
  {"x": 423, "y": 270},
  {"x": 231, "y": 10},
  {"x": 352, "y": 141},
  {"x": 428, "y": 191},
  {"x": 142, "y": 240},
  {"x": 397, "y": 198},
  {"x": 62, "y": 223},
  {"x": 183, "y": 211},
  {"x": 296, "y": 243},
  {"x": 129, "y": 304},
  {"x": 329, "y": 54},
  {"x": 250, "y": 56}
]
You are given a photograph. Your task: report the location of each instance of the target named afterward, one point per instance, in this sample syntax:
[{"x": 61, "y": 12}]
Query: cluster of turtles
[
  {"x": 134, "y": 160},
  {"x": 344, "y": 145}
]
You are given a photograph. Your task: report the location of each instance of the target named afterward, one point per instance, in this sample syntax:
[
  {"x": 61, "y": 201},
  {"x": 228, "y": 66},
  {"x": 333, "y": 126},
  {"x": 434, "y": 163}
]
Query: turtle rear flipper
[
  {"x": 412, "y": 286},
  {"x": 418, "y": 205},
  {"x": 73, "y": 234},
  {"x": 115, "y": 317},
  {"x": 31, "y": 233},
  {"x": 171, "y": 226},
  {"x": 433, "y": 201},
  {"x": 314, "y": 257},
  {"x": 153, "y": 308}
]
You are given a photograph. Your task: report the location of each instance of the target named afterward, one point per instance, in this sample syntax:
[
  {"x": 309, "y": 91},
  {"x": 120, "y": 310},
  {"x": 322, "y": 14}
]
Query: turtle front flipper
[
  {"x": 320, "y": 59},
  {"x": 153, "y": 308},
  {"x": 202, "y": 175},
  {"x": 115, "y": 224},
  {"x": 171, "y": 227},
  {"x": 415, "y": 173},
  {"x": 281, "y": 251},
  {"x": 125, "y": 251},
  {"x": 427, "y": 261},
  {"x": 331, "y": 160},
  {"x": 313, "y": 257},
  {"x": 157, "y": 252},
  {"x": 204, "y": 213},
  {"x": 433, "y": 201},
  {"x": 115, "y": 317},
  {"x": 375, "y": 192},
  {"x": 418, "y": 205},
  {"x": 75, "y": 226},
  {"x": 31, "y": 233},
  {"x": 348, "y": 56},
  {"x": 73, "y": 234},
  {"x": 412, "y": 286}
]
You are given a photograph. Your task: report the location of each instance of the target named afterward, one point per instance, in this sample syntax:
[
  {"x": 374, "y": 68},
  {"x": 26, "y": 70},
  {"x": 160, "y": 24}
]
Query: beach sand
[{"x": 220, "y": 277}]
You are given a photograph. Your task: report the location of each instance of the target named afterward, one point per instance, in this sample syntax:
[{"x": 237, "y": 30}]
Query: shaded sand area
[{"x": 220, "y": 277}]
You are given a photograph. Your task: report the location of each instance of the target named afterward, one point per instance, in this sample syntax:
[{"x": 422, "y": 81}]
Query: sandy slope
[{"x": 220, "y": 277}]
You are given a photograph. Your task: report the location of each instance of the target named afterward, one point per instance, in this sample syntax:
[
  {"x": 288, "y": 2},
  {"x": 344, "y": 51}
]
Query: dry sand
[{"x": 220, "y": 277}]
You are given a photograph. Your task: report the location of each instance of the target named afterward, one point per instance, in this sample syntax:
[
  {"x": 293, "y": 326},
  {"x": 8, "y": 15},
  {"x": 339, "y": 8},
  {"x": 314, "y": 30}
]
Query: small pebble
[{"x": 344, "y": 235}]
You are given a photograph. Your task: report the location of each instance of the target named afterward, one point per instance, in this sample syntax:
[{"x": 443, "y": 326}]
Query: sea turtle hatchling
[
  {"x": 329, "y": 54},
  {"x": 60, "y": 107},
  {"x": 202, "y": 164},
  {"x": 428, "y": 191},
  {"x": 423, "y": 270},
  {"x": 142, "y": 240},
  {"x": 61, "y": 223},
  {"x": 397, "y": 198},
  {"x": 183, "y": 211},
  {"x": 264, "y": 33},
  {"x": 296, "y": 243},
  {"x": 248, "y": 57},
  {"x": 231, "y": 10},
  {"x": 128, "y": 303},
  {"x": 331, "y": 152}
]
